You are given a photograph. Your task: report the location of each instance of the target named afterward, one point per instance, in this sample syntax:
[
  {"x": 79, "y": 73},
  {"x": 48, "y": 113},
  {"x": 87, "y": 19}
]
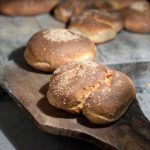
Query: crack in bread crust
[
  {"x": 80, "y": 97},
  {"x": 102, "y": 94}
]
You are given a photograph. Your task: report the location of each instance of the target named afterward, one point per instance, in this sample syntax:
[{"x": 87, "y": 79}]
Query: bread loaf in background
[
  {"x": 98, "y": 25},
  {"x": 26, "y": 7},
  {"x": 137, "y": 17},
  {"x": 68, "y": 8}
]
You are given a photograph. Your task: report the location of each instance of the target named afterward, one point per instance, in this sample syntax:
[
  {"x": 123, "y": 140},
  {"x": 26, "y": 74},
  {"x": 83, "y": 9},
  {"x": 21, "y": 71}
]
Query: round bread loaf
[
  {"x": 26, "y": 7},
  {"x": 98, "y": 26},
  {"x": 68, "y": 8},
  {"x": 102, "y": 94},
  {"x": 50, "y": 48},
  {"x": 138, "y": 21}
]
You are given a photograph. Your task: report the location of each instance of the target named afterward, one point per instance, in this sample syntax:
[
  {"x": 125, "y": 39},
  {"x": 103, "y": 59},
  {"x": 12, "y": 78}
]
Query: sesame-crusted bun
[
  {"x": 138, "y": 21},
  {"x": 68, "y": 8},
  {"x": 102, "y": 94},
  {"x": 98, "y": 25},
  {"x": 50, "y": 48},
  {"x": 26, "y": 7}
]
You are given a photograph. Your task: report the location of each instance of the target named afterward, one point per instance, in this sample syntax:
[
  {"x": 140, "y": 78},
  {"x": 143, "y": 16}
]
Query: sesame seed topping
[
  {"x": 61, "y": 35},
  {"x": 90, "y": 64}
]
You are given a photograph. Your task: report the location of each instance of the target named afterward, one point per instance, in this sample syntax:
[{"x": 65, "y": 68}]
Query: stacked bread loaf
[
  {"x": 98, "y": 25},
  {"x": 78, "y": 84}
]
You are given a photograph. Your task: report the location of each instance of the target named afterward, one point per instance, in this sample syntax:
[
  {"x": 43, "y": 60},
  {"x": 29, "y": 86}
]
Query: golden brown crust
[
  {"x": 109, "y": 102},
  {"x": 136, "y": 21},
  {"x": 26, "y": 7},
  {"x": 50, "y": 48},
  {"x": 69, "y": 8},
  {"x": 99, "y": 26},
  {"x": 102, "y": 94}
]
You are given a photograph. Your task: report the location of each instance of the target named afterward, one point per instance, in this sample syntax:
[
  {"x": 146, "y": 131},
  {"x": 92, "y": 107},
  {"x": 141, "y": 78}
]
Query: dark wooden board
[{"x": 29, "y": 87}]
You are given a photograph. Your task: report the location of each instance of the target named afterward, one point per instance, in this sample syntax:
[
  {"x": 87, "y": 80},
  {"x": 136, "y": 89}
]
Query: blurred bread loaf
[
  {"x": 98, "y": 25},
  {"x": 137, "y": 17},
  {"x": 68, "y": 8},
  {"x": 26, "y": 7}
]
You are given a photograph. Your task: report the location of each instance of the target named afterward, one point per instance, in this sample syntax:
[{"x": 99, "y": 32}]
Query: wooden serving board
[{"x": 28, "y": 87}]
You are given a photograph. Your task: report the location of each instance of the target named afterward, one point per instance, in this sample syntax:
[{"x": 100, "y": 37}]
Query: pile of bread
[
  {"x": 99, "y": 20},
  {"x": 78, "y": 84}
]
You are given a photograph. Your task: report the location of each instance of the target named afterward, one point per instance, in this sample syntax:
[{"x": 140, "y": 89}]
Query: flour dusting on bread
[{"x": 61, "y": 35}]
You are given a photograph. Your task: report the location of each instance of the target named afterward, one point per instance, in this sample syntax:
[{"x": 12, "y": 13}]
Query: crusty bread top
[
  {"x": 76, "y": 6},
  {"x": 67, "y": 9},
  {"x": 110, "y": 100},
  {"x": 61, "y": 35},
  {"x": 52, "y": 45},
  {"x": 98, "y": 17},
  {"x": 75, "y": 81},
  {"x": 98, "y": 13}
]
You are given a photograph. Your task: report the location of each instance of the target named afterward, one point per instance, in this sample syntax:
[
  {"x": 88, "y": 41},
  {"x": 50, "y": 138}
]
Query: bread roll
[
  {"x": 102, "y": 94},
  {"x": 50, "y": 48},
  {"x": 26, "y": 7},
  {"x": 98, "y": 25},
  {"x": 68, "y": 8},
  {"x": 138, "y": 21},
  {"x": 111, "y": 100}
]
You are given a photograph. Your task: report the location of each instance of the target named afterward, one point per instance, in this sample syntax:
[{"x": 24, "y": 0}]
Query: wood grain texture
[{"x": 28, "y": 86}]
